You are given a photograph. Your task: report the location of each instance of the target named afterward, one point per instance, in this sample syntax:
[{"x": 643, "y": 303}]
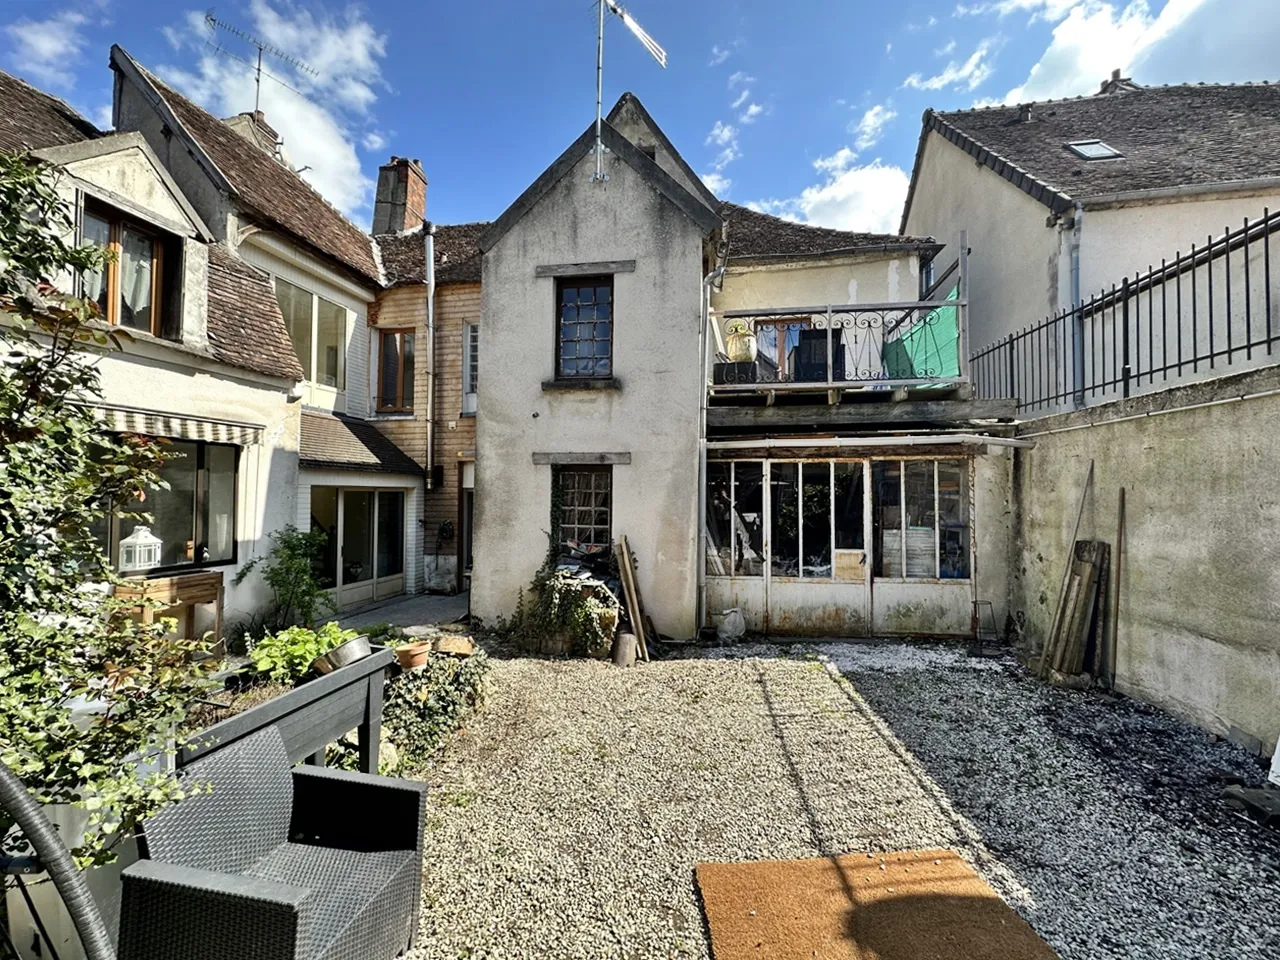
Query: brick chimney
[
  {"x": 253, "y": 127},
  {"x": 401, "y": 201}
]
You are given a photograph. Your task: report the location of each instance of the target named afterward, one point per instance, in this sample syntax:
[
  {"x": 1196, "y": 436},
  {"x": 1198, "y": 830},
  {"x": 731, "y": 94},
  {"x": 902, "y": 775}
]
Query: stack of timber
[
  {"x": 1075, "y": 641},
  {"x": 641, "y": 625}
]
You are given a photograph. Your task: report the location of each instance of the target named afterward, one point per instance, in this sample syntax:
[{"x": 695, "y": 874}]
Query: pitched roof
[
  {"x": 246, "y": 328},
  {"x": 31, "y": 119},
  {"x": 690, "y": 204},
  {"x": 457, "y": 254},
  {"x": 1176, "y": 136},
  {"x": 335, "y": 442},
  {"x": 267, "y": 188},
  {"x": 761, "y": 236}
]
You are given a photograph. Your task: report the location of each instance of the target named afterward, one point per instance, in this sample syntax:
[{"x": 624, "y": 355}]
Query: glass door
[
  {"x": 390, "y": 543},
  {"x": 357, "y": 549}
]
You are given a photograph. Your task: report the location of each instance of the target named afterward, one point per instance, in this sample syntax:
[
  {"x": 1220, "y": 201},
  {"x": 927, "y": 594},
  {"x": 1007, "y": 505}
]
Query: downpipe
[
  {"x": 1077, "y": 318},
  {"x": 700, "y": 560},
  {"x": 429, "y": 251}
]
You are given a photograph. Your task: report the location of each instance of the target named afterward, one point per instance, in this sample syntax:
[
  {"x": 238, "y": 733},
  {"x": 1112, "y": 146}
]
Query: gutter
[
  {"x": 842, "y": 252},
  {"x": 429, "y": 251},
  {"x": 701, "y": 549},
  {"x": 1102, "y": 201}
]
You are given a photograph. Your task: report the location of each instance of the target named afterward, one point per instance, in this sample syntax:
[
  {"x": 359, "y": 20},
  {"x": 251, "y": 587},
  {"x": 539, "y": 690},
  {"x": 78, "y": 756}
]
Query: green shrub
[
  {"x": 286, "y": 657},
  {"x": 289, "y": 570},
  {"x": 421, "y": 707},
  {"x": 562, "y": 609}
]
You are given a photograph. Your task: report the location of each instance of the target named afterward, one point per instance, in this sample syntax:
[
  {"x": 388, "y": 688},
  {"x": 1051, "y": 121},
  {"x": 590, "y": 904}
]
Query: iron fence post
[{"x": 1124, "y": 339}]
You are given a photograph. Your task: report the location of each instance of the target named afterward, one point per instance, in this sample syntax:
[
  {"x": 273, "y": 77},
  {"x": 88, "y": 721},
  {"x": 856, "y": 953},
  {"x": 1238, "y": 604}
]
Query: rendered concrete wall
[
  {"x": 1014, "y": 258},
  {"x": 867, "y": 278},
  {"x": 1200, "y": 589},
  {"x": 653, "y": 416}
]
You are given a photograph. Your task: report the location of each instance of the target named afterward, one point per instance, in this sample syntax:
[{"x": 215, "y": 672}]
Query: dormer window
[
  {"x": 131, "y": 291},
  {"x": 1094, "y": 150}
]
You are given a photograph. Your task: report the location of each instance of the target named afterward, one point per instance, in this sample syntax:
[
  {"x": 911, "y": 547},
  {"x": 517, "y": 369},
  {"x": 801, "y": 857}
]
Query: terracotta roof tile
[
  {"x": 457, "y": 254},
  {"x": 30, "y": 119},
  {"x": 274, "y": 192},
  {"x": 332, "y": 442},
  {"x": 753, "y": 235},
  {"x": 1169, "y": 137},
  {"x": 246, "y": 328}
]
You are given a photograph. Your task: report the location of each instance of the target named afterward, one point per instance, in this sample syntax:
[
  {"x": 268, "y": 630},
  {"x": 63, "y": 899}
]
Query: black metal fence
[{"x": 1207, "y": 312}]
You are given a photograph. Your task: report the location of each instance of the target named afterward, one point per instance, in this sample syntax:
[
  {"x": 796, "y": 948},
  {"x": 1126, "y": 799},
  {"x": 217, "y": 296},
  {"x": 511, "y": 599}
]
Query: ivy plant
[{"x": 88, "y": 694}]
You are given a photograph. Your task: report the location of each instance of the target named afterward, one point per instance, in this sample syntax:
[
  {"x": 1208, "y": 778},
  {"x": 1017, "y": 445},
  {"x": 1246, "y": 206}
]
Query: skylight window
[{"x": 1093, "y": 150}]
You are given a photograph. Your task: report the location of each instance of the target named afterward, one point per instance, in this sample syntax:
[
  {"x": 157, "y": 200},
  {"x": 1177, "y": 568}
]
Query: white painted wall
[
  {"x": 1014, "y": 258},
  {"x": 866, "y": 278},
  {"x": 653, "y": 416}
]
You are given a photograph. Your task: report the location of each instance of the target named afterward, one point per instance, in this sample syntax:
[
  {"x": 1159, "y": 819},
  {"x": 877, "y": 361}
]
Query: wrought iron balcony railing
[{"x": 851, "y": 346}]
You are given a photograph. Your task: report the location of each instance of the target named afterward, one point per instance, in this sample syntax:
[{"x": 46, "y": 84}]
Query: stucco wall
[
  {"x": 156, "y": 378},
  {"x": 653, "y": 416},
  {"x": 869, "y": 278},
  {"x": 1013, "y": 263},
  {"x": 1200, "y": 589},
  {"x": 1129, "y": 239}
]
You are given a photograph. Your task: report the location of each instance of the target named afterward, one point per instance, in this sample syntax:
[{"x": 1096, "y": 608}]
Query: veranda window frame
[
  {"x": 561, "y": 473},
  {"x": 403, "y": 404},
  {"x": 470, "y": 366}
]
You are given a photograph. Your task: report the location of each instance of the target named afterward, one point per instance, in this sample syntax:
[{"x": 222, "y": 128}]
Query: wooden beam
[
  {"x": 601, "y": 268},
  {"x": 860, "y": 414},
  {"x": 565, "y": 459}
]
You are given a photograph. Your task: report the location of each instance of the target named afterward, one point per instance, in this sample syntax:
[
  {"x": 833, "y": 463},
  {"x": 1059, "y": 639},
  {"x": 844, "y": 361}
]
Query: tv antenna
[
  {"x": 263, "y": 47},
  {"x": 649, "y": 43}
]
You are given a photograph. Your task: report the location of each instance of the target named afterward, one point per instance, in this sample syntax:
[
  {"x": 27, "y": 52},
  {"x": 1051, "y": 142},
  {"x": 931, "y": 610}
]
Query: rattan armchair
[{"x": 274, "y": 863}]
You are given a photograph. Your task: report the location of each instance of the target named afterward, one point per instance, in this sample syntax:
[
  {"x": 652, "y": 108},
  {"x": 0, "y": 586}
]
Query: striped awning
[{"x": 154, "y": 423}]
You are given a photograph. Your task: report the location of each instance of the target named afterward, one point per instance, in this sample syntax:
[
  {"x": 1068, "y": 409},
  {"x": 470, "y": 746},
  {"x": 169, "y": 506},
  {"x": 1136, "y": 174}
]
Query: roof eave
[{"x": 927, "y": 249}]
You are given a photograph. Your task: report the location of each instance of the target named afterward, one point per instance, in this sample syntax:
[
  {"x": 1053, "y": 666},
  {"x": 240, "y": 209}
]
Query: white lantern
[{"x": 140, "y": 550}]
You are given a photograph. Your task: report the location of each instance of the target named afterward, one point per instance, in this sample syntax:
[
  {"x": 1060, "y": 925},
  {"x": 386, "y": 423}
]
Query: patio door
[{"x": 364, "y": 553}]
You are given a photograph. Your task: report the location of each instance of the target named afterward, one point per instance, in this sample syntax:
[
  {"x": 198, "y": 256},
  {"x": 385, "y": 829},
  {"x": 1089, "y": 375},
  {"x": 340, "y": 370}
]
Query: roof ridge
[{"x": 1141, "y": 89}]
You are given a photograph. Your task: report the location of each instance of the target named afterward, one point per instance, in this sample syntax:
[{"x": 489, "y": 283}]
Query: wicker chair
[{"x": 276, "y": 863}]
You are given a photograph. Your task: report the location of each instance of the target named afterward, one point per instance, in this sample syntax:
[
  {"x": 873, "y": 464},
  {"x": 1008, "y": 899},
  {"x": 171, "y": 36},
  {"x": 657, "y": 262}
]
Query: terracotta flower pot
[{"x": 414, "y": 654}]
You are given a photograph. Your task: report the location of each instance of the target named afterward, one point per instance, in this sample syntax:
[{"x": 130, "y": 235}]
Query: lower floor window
[
  {"x": 586, "y": 504},
  {"x": 192, "y": 522},
  {"x": 815, "y": 519}
]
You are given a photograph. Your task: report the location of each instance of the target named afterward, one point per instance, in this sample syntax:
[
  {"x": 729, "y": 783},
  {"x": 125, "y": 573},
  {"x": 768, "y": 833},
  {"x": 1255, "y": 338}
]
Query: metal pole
[
  {"x": 1124, "y": 319},
  {"x": 962, "y": 312},
  {"x": 599, "y": 91}
]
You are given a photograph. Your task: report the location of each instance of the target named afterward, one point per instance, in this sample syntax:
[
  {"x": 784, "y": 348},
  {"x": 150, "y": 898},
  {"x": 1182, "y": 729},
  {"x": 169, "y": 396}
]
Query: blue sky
[{"x": 807, "y": 108}]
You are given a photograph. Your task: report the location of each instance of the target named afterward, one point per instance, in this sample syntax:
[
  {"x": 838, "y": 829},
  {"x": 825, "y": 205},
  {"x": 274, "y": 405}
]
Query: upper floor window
[
  {"x": 318, "y": 329},
  {"x": 131, "y": 290},
  {"x": 470, "y": 366},
  {"x": 584, "y": 327},
  {"x": 395, "y": 371}
]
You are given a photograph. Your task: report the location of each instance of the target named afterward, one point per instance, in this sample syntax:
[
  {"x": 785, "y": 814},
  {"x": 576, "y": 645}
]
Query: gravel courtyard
[{"x": 566, "y": 820}]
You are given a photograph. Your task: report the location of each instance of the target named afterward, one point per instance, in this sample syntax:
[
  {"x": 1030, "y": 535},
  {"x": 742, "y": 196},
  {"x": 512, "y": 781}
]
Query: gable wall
[
  {"x": 653, "y": 416},
  {"x": 1014, "y": 258},
  {"x": 631, "y": 125}
]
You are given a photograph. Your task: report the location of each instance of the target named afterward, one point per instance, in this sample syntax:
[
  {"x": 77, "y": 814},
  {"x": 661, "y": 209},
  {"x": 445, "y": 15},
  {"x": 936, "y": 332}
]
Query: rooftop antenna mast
[
  {"x": 650, "y": 44},
  {"x": 263, "y": 47}
]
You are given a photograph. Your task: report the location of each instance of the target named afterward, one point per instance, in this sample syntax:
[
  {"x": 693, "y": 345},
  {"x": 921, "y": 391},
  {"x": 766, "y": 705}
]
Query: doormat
[{"x": 917, "y": 905}]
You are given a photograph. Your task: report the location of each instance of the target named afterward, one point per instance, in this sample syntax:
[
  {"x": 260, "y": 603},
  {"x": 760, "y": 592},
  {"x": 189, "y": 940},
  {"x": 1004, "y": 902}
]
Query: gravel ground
[{"x": 566, "y": 821}]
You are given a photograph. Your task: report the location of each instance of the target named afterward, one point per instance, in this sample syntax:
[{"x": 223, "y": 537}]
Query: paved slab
[{"x": 412, "y": 613}]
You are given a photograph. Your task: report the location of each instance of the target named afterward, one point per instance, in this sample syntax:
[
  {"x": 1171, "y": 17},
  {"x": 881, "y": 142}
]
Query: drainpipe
[
  {"x": 1077, "y": 323},
  {"x": 701, "y": 556},
  {"x": 429, "y": 243}
]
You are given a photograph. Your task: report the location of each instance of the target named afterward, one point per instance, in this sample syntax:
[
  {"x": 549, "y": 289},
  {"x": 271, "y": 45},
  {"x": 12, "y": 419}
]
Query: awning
[{"x": 154, "y": 423}]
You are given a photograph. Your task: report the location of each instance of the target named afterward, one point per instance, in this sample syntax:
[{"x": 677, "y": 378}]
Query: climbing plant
[{"x": 88, "y": 695}]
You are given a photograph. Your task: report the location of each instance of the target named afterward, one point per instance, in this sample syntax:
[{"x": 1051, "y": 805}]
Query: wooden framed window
[
  {"x": 586, "y": 504},
  {"x": 395, "y": 371},
  {"x": 470, "y": 366},
  {"x": 130, "y": 291},
  {"x": 584, "y": 327}
]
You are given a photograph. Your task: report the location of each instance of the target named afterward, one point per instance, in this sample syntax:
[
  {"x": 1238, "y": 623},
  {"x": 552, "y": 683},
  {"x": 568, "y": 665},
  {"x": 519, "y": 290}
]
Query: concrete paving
[{"x": 413, "y": 613}]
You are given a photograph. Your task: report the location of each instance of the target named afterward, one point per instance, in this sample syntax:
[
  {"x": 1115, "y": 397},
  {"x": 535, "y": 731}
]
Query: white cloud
[
  {"x": 871, "y": 127},
  {"x": 44, "y": 50},
  {"x": 888, "y": 49},
  {"x": 742, "y": 98},
  {"x": 718, "y": 56},
  {"x": 867, "y": 197},
  {"x": 373, "y": 140},
  {"x": 727, "y": 156},
  {"x": 101, "y": 116},
  {"x": 960, "y": 76},
  {"x": 722, "y": 133},
  {"x": 749, "y": 115},
  {"x": 1050, "y": 10},
  {"x": 740, "y": 77},
  {"x": 946, "y": 48},
  {"x": 838, "y": 162},
  {"x": 315, "y": 123},
  {"x": 1187, "y": 41},
  {"x": 717, "y": 183}
]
